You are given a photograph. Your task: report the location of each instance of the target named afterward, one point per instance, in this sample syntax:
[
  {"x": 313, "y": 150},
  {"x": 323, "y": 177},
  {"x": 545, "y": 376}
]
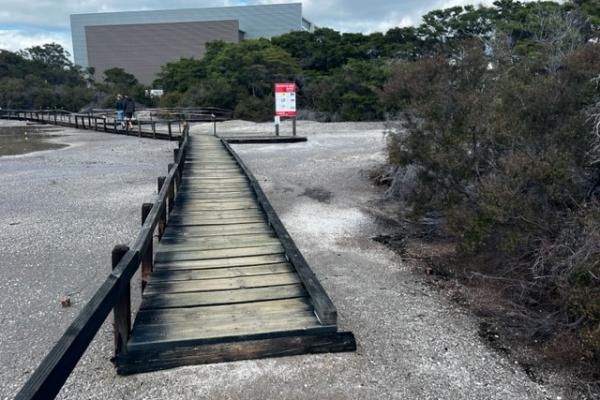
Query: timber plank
[
  {"x": 215, "y": 230},
  {"x": 236, "y": 328},
  {"x": 209, "y": 285},
  {"x": 193, "y": 206},
  {"x": 217, "y": 242},
  {"x": 233, "y": 272},
  {"x": 240, "y": 238},
  {"x": 166, "y": 256},
  {"x": 224, "y": 214},
  {"x": 221, "y": 263},
  {"x": 215, "y": 196},
  {"x": 192, "y": 245},
  {"x": 224, "y": 192},
  {"x": 170, "y": 315},
  {"x": 191, "y": 221},
  {"x": 221, "y": 297}
]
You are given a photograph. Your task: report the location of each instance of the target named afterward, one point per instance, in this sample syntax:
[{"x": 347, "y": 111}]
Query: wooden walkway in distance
[{"x": 225, "y": 284}]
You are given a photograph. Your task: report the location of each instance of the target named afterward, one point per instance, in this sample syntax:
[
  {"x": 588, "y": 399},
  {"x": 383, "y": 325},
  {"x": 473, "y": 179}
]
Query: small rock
[{"x": 65, "y": 301}]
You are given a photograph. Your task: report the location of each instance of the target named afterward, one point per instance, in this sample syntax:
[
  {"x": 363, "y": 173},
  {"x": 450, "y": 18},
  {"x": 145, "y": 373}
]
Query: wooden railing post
[
  {"x": 171, "y": 193},
  {"x": 147, "y": 257},
  {"x": 122, "y": 310},
  {"x": 162, "y": 221},
  {"x": 104, "y": 122},
  {"x": 153, "y": 128},
  {"x": 139, "y": 124},
  {"x": 169, "y": 129}
]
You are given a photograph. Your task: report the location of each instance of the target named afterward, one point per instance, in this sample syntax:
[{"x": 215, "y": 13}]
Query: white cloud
[{"x": 14, "y": 40}]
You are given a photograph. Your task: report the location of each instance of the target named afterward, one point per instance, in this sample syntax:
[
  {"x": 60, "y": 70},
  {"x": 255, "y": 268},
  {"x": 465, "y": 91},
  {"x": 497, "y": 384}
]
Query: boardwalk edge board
[
  {"x": 134, "y": 363},
  {"x": 324, "y": 307}
]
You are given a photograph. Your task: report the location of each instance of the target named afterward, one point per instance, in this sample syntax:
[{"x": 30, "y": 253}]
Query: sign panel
[{"x": 285, "y": 99}]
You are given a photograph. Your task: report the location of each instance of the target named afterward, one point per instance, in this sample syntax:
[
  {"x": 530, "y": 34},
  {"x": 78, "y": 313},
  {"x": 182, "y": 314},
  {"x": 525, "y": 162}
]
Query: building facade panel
[
  {"x": 141, "y": 49},
  {"x": 254, "y": 21}
]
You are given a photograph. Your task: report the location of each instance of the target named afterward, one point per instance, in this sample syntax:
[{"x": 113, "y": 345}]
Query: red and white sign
[{"x": 285, "y": 99}]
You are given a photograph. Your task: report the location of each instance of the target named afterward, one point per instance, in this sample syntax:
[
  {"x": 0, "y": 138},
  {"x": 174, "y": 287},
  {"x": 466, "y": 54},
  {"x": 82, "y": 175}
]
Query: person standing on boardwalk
[
  {"x": 120, "y": 107},
  {"x": 129, "y": 106}
]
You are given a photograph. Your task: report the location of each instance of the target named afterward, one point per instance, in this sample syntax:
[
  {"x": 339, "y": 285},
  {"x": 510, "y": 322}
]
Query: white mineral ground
[{"x": 63, "y": 211}]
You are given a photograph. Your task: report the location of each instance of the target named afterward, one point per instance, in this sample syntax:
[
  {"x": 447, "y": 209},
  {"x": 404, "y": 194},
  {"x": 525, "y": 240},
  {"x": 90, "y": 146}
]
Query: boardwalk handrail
[
  {"x": 324, "y": 307},
  {"x": 49, "y": 377}
]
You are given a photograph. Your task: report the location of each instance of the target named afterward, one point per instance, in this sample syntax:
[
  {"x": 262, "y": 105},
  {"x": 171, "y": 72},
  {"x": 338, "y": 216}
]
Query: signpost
[{"x": 285, "y": 104}]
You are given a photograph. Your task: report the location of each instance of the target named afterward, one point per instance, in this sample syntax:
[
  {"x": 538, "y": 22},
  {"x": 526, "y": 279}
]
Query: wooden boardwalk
[{"x": 227, "y": 282}]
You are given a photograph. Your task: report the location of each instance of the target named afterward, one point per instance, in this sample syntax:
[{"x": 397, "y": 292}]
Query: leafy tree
[
  {"x": 118, "y": 81},
  {"x": 42, "y": 77}
]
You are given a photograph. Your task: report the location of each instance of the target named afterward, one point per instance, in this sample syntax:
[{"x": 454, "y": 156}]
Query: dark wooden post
[
  {"x": 122, "y": 310},
  {"x": 104, "y": 122},
  {"x": 169, "y": 129},
  {"x": 76, "y": 122},
  {"x": 171, "y": 194},
  {"x": 139, "y": 124},
  {"x": 153, "y": 128},
  {"x": 95, "y": 123},
  {"x": 89, "y": 121},
  {"x": 54, "y": 117},
  {"x": 147, "y": 257},
  {"x": 162, "y": 221},
  {"x": 115, "y": 125},
  {"x": 178, "y": 174},
  {"x": 294, "y": 126}
]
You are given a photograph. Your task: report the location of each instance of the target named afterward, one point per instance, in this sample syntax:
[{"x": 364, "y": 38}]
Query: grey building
[{"x": 142, "y": 41}]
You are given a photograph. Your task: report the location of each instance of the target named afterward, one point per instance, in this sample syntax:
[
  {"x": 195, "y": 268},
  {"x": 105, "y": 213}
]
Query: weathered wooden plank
[
  {"x": 174, "y": 315},
  {"x": 184, "y": 275},
  {"x": 191, "y": 206},
  {"x": 166, "y": 256},
  {"x": 225, "y": 201},
  {"x": 215, "y": 230},
  {"x": 223, "y": 214},
  {"x": 217, "y": 239},
  {"x": 207, "y": 285},
  {"x": 213, "y": 168},
  {"x": 192, "y": 221},
  {"x": 221, "y": 297},
  {"x": 196, "y": 179},
  {"x": 157, "y": 359},
  {"x": 197, "y": 333},
  {"x": 224, "y": 192},
  {"x": 198, "y": 195},
  {"x": 191, "y": 245},
  {"x": 212, "y": 185},
  {"x": 211, "y": 175},
  {"x": 217, "y": 242},
  {"x": 221, "y": 263}
]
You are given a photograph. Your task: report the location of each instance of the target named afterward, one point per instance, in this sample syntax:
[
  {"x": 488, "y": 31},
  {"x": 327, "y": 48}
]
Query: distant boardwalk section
[{"x": 141, "y": 42}]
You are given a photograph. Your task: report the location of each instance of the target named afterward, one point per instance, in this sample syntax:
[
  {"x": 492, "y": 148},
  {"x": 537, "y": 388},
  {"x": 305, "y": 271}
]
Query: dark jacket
[
  {"x": 129, "y": 105},
  {"x": 120, "y": 106}
]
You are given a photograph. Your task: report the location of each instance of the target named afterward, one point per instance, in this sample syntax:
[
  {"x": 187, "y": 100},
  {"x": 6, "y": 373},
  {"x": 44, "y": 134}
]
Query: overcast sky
[{"x": 24, "y": 23}]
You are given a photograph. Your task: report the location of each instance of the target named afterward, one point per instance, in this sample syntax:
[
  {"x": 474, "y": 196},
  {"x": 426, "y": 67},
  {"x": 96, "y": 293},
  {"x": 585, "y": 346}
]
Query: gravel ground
[{"x": 413, "y": 343}]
